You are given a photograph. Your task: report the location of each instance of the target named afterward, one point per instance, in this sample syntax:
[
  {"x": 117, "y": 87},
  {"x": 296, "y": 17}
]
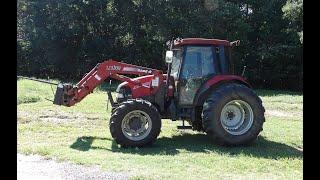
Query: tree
[
  {"x": 293, "y": 10},
  {"x": 65, "y": 39}
]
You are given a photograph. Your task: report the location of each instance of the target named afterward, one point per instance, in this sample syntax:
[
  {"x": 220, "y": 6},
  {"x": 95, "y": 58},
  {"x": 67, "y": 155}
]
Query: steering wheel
[{"x": 189, "y": 78}]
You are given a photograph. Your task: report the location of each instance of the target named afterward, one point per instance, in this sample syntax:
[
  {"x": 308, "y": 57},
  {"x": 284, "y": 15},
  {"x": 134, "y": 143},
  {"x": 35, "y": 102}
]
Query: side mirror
[{"x": 169, "y": 56}]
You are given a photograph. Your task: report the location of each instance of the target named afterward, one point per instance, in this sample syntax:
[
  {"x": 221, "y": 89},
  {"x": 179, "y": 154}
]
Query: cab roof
[{"x": 200, "y": 41}]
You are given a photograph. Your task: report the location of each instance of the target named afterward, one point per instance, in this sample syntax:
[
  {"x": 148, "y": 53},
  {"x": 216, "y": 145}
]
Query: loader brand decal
[
  {"x": 136, "y": 69},
  {"x": 113, "y": 68},
  {"x": 146, "y": 84}
]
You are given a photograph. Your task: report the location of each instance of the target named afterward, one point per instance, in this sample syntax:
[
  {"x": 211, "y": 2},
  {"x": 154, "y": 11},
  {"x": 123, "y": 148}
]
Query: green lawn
[{"x": 80, "y": 134}]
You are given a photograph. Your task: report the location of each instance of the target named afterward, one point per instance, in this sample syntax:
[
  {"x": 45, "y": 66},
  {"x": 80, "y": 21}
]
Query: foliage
[
  {"x": 293, "y": 10},
  {"x": 65, "y": 39}
]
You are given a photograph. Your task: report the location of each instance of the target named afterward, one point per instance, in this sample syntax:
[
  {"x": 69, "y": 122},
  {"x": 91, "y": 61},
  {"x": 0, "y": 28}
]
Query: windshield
[{"x": 177, "y": 57}]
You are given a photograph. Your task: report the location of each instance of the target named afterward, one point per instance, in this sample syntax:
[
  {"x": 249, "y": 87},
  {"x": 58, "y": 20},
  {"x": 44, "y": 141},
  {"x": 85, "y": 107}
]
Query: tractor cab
[{"x": 195, "y": 61}]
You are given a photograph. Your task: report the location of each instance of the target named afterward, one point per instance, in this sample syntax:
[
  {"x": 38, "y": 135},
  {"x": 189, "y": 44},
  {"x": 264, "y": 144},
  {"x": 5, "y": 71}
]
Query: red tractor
[{"x": 200, "y": 87}]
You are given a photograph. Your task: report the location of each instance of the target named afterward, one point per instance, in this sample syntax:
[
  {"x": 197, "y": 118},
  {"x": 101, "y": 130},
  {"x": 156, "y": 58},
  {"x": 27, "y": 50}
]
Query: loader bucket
[
  {"x": 58, "y": 97},
  {"x": 61, "y": 96}
]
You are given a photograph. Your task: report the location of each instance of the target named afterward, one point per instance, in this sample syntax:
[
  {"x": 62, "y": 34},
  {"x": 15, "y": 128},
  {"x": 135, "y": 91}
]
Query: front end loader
[{"x": 200, "y": 87}]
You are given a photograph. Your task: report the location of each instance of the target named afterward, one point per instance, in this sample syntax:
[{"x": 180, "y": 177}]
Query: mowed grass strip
[{"x": 80, "y": 134}]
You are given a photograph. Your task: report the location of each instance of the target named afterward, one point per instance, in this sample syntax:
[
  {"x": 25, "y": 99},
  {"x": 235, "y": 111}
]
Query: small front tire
[{"x": 135, "y": 123}]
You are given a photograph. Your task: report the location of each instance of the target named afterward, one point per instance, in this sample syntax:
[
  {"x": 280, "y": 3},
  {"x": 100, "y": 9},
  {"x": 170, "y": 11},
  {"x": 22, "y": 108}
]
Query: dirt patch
[
  {"x": 37, "y": 167},
  {"x": 24, "y": 117},
  {"x": 278, "y": 113},
  {"x": 60, "y": 117},
  {"x": 23, "y": 120},
  {"x": 53, "y": 116},
  {"x": 92, "y": 118},
  {"x": 27, "y": 99}
]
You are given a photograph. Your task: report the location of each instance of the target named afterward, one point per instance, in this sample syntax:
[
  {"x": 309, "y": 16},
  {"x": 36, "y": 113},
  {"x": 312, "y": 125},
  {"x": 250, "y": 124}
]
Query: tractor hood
[
  {"x": 145, "y": 80},
  {"x": 130, "y": 90}
]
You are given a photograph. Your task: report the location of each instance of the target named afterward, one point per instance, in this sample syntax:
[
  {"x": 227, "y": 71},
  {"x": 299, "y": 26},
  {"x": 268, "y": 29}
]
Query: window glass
[
  {"x": 176, "y": 62},
  {"x": 198, "y": 66},
  {"x": 198, "y": 62}
]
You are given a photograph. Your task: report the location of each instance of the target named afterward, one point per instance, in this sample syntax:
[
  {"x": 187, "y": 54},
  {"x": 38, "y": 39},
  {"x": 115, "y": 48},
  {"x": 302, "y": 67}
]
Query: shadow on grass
[{"x": 262, "y": 147}]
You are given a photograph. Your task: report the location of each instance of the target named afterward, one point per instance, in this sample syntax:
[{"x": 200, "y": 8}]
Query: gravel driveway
[{"x": 36, "y": 167}]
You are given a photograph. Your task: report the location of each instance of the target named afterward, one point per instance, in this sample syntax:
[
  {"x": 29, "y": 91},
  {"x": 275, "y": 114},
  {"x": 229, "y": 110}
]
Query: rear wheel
[
  {"x": 135, "y": 122},
  {"x": 233, "y": 115}
]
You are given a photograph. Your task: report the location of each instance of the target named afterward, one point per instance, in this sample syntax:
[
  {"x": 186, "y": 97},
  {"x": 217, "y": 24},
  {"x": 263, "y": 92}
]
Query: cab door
[{"x": 199, "y": 64}]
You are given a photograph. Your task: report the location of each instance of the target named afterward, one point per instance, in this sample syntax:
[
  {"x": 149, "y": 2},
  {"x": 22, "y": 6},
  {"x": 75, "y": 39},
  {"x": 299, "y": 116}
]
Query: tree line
[{"x": 65, "y": 39}]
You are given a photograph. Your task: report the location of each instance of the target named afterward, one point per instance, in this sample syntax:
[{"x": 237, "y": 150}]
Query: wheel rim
[
  {"x": 236, "y": 117},
  {"x": 136, "y": 125}
]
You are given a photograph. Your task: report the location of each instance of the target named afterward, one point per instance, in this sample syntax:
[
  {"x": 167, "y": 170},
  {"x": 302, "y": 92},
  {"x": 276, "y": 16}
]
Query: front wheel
[
  {"x": 233, "y": 115},
  {"x": 135, "y": 122}
]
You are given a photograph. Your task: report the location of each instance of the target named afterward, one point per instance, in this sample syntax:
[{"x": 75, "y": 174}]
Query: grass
[{"x": 80, "y": 134}]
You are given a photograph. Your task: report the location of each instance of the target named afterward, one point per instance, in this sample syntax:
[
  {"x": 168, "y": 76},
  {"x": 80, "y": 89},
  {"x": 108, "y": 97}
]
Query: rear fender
[{"x": 213, "y": 83}]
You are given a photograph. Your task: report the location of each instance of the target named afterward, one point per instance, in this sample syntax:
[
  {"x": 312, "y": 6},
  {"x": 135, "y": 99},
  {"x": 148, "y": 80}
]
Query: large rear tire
[
  {"x": 233, "y": 115},
  {"x": 135, "y": 123}
]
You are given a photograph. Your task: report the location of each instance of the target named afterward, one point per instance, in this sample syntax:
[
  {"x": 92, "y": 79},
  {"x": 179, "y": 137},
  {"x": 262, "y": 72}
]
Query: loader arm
[{"x": 68, "y": 94}]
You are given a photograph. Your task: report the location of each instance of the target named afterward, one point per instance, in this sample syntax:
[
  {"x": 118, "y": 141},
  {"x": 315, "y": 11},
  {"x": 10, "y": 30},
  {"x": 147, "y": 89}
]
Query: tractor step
[{"x": 184, "y": 127}]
